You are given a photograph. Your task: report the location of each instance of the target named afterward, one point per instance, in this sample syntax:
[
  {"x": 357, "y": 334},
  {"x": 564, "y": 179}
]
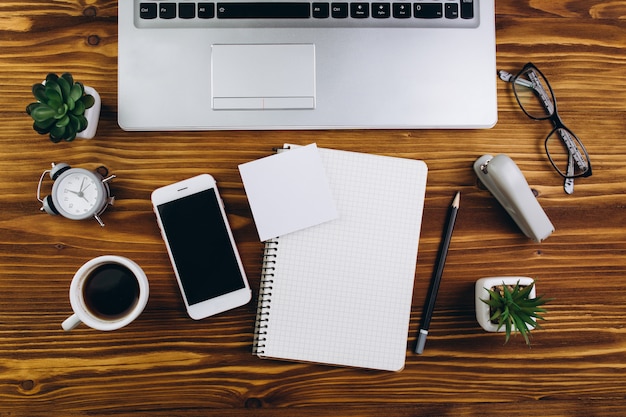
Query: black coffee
[{"x": 110, "y": 291}]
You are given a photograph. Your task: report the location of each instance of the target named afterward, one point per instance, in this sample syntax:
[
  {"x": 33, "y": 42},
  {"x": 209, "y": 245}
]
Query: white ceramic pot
[
  {"x": 92, "y": 115},
  {"x": 481, "y": 293}
]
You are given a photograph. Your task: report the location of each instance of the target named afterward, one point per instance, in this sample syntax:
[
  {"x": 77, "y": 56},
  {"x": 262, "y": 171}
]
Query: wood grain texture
[{"x": 165, "y": 364}]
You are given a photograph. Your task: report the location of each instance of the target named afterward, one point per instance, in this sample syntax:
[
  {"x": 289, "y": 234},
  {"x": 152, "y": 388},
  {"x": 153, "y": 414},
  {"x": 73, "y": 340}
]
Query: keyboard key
[
  {"x": 452, "y": 11},
  {"x": 339, "y": 10},
  {"x": 148, "y": 10},
  {"x": 359, "y": 10},
  {"x": 263, "y": 10},
  {"x": 187, "y": 10},
  {"x": 167, "y": 10},
  {"x": 401, "y": 10},
  {"x": 206, "y": 10},
  {"x": 321, "y": 10},
  {"x": 428, "y": 10},
  {"x": 381, "y": 10},
  {"x": 467, "y": 9}
]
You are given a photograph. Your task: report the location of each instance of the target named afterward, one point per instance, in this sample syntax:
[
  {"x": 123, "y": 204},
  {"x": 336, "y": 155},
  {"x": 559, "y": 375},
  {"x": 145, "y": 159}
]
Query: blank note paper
[
  {"x": 340, "y": 292},
  {"x": 288, "y": 191}
]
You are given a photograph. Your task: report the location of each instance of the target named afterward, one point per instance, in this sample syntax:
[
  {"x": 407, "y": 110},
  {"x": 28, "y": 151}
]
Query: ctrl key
[{"x": 148, "y": 10}]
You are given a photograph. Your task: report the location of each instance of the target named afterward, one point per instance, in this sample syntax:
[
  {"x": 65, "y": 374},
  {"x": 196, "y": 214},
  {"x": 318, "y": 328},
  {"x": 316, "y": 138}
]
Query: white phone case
[{"x": 220, "y": 303}]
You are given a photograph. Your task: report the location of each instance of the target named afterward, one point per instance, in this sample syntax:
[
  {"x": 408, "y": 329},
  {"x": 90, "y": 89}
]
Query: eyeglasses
[{"x": 565, "y": 151}]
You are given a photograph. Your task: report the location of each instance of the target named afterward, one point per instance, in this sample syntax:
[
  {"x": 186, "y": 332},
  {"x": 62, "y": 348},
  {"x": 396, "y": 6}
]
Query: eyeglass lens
[
  {"x": 566, "y": 153},
  {"x": 534, "y": 94}
]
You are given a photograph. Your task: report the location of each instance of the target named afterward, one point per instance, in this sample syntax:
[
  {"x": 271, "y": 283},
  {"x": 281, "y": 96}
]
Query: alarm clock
[{"x": 77, "y": 193}]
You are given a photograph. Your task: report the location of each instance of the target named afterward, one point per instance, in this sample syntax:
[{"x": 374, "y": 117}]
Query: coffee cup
[{"x": 107, "y": 293}]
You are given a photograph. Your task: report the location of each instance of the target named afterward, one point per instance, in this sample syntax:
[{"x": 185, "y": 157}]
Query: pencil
[{"x": 436, "y": 280}]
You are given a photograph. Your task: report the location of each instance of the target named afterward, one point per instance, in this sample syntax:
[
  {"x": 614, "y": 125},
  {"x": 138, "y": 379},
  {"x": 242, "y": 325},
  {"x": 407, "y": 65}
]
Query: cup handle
[{"x": 70, "y": 322}]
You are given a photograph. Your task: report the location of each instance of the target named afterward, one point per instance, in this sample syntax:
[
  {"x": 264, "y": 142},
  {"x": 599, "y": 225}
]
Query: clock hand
[{"x": 78, "y": 193}]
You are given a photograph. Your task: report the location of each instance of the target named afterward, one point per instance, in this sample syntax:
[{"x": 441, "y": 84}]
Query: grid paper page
[{"x": 341, "y": 291}]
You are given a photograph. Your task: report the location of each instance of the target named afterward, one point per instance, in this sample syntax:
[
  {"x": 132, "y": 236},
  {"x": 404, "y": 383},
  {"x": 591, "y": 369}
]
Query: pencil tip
[{"x": 457, "y": 200}]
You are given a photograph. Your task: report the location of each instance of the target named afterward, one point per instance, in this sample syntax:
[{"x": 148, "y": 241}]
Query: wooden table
[{"x": 165, "y": 364}]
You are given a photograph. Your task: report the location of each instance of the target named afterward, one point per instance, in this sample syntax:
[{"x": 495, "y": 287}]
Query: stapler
[{"x": 508, "y": 185}]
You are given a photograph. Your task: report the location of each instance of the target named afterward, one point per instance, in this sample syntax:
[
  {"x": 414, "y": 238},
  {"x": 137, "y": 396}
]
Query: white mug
[{"x": 107, "y": 293}]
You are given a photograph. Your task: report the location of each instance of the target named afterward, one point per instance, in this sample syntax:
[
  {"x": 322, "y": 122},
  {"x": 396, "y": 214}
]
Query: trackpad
[{"x": 253, "y": 77}]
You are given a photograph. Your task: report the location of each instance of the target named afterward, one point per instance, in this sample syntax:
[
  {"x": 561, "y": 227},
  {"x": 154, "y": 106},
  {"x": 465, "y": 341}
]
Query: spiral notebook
[{"x": 339, "y": 293}]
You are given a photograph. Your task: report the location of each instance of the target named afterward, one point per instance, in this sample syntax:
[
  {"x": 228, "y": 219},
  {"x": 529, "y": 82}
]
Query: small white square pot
[
  {"x": 92, "y": 115},
  {"x": 481, "y": 293}
]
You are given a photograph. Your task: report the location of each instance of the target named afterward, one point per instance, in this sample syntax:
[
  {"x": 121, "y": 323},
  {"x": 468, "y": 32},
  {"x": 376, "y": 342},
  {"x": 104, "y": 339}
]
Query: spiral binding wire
[{"x": 265, "y": 296}]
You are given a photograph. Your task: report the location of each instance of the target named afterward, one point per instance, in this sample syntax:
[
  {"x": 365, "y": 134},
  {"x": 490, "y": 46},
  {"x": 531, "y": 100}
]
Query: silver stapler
[{"x": 508, "y": 185}]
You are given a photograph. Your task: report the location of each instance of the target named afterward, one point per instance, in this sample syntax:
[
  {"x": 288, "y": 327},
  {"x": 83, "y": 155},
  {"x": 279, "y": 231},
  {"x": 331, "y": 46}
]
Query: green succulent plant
[
  {"x": 511, "y": 307},
  {"x": 60, "y": 107}
]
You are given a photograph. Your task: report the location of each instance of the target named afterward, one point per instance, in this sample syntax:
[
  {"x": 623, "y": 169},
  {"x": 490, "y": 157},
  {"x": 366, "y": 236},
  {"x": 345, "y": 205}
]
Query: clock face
[{"x": 78, "y": 194}]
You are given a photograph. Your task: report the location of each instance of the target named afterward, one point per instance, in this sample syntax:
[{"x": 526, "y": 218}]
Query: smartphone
[{"x": 201, "y": 247}]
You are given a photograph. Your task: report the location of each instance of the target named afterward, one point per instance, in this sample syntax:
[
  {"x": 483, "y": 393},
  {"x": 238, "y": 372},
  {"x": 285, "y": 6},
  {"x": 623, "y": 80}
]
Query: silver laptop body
[{"x": 238, "y": 64}]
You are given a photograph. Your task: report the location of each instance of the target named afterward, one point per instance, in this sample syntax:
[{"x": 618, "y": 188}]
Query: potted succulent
[
  {"x": 508, "y": 304},
  {"x": 64, "y": 109}
]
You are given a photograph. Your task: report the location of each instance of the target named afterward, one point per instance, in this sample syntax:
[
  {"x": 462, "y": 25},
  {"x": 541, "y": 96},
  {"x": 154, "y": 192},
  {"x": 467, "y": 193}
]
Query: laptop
[{"x": 298, "y": 64}]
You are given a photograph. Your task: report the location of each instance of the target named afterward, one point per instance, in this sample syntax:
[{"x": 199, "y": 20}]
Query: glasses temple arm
[
  {"x": 568, "y": 183},
  {"x": 508, "y": 77}
]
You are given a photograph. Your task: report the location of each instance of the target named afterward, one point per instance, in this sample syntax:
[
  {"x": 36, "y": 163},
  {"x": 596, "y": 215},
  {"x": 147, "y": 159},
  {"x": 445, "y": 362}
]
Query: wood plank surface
[{"x": 165, "y": 364}]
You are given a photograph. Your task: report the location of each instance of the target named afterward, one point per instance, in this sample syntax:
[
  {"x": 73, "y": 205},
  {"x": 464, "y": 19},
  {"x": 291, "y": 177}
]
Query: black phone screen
[{"x": 202, "y": 251}]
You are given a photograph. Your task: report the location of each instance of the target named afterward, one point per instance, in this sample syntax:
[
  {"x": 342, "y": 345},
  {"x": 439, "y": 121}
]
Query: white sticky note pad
[{"x": 288, "y": 191}]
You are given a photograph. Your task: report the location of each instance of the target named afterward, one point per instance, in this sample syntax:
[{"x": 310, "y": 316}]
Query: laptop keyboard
[{"x": 373, "y": 13}]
